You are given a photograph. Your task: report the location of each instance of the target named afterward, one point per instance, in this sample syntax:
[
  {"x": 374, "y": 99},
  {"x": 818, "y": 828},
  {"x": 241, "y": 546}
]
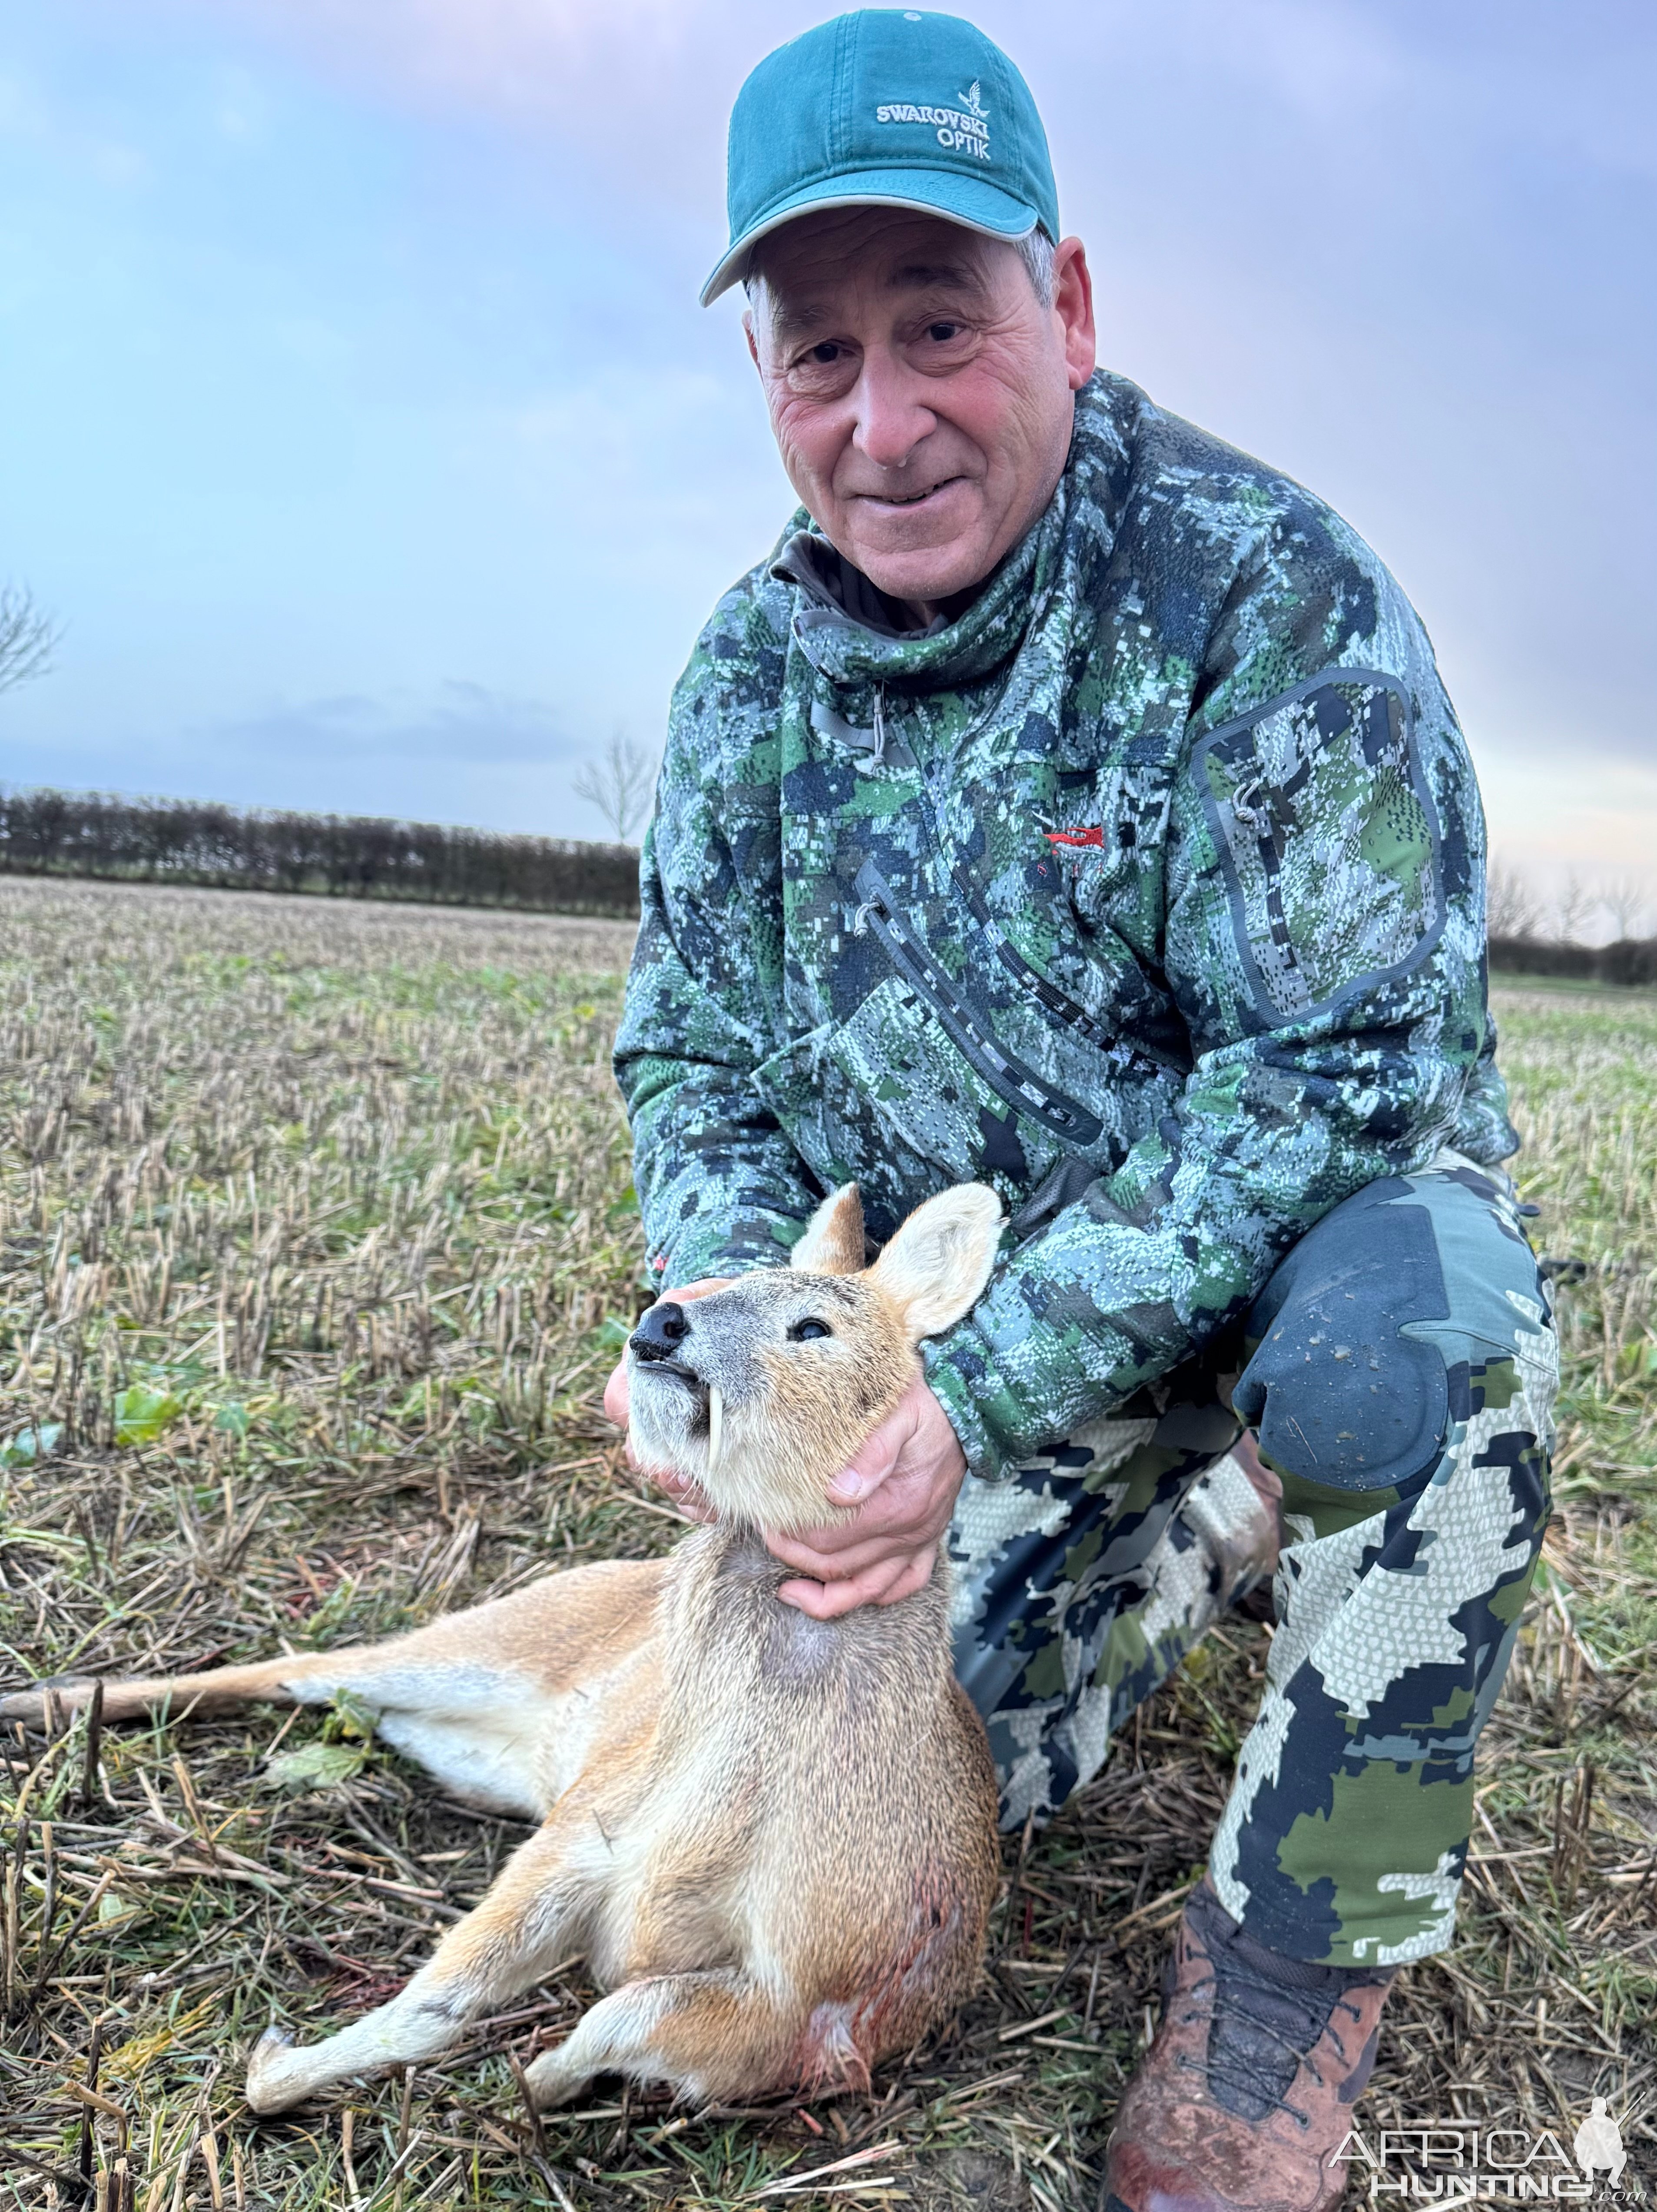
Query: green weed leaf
[
  {"x": 30, "y": 1444},
  {"x": 350, "y": 1720},
  {"x": 318, "y": 1765},
  {"x": 141, "y": 1413}
]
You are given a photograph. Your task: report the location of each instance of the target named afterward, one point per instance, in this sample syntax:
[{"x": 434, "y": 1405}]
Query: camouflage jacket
[{"x": 1150, "y": 891}]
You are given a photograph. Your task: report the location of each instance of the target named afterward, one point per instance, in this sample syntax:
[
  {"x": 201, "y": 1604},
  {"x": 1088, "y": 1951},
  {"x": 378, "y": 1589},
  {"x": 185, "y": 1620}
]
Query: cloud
[
  {"x": 457, "y": 752},
  {"x": 463, "y": 725},
  {"x": 29, "y": 114},
  {"x": 1399, "y": 249},
  {"x": 1574, "y": 78},
  {"x": 519, "y": 57}
]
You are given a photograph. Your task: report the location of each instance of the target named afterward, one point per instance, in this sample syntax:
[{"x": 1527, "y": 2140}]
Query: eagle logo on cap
[{"x": 972, "y": 100}]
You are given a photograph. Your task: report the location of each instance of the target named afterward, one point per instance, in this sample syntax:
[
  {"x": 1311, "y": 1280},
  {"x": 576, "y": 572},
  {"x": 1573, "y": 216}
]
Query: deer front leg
[
  {"x": 711, "y": 2035},
  {"x": 539, "y": 1906}
]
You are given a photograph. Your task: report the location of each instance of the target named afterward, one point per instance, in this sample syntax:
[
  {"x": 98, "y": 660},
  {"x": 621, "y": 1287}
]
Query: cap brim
[{"x": 973, "y": 201}]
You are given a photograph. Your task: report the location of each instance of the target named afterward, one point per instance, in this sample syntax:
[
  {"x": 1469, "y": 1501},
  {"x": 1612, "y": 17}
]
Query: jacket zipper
[
  {"x": 1057, "y": 1002},
  {"x": 1005, "y": 1074}
]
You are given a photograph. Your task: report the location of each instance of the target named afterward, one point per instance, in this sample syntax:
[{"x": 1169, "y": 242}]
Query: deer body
[{"x": 772, "y": 1837}]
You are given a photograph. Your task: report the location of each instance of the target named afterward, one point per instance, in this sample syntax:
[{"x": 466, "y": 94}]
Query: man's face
[{"x": 920, "y": 393}]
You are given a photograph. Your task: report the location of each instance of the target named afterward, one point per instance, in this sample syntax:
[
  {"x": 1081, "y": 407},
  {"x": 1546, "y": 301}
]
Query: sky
[{"x": 358, "y": 418}]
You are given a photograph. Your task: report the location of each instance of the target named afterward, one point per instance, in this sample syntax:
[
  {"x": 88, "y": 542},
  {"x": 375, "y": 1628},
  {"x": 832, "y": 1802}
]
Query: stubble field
[{"x": 316, "y": 1240}]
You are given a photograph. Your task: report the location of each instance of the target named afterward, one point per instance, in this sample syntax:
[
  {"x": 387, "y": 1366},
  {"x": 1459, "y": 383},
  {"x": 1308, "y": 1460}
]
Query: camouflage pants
[{"x": 1400, "y": 1370}]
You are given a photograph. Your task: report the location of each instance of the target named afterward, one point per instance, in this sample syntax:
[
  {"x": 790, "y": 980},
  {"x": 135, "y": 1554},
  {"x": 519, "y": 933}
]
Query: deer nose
[{"x": 660, "y": 1332}]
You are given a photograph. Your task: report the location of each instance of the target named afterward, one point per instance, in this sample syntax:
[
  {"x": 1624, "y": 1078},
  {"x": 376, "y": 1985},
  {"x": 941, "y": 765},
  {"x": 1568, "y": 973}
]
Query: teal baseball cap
[{"x": 885, "y": 107}]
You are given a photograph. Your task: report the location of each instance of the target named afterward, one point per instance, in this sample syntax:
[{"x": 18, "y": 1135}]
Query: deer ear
[
  {"x": 937, "y": 1264},
  {"x": 833, "y": 1242}
]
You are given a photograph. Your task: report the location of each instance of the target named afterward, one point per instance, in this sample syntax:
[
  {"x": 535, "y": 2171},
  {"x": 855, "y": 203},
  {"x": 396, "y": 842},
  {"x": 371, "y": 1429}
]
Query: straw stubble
[{"x": 317, "y": 1242}]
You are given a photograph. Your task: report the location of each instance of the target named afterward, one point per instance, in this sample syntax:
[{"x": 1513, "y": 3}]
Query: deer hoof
[
  {"x": 551, "y": 2084},
  {"x": 269, "y": 2084}
]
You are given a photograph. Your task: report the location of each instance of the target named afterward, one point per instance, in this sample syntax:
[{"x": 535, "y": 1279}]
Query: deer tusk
[{"x": 715, "y": 1425}]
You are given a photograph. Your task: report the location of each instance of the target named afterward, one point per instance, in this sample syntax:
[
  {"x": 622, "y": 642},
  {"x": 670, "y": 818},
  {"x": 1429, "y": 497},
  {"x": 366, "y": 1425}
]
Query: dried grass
[{"x": 317, "y": 1236}]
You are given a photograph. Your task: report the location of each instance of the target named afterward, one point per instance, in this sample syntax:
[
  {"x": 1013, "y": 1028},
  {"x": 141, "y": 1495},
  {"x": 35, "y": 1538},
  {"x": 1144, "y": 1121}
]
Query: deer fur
[{"x": 772, "y": 1837}]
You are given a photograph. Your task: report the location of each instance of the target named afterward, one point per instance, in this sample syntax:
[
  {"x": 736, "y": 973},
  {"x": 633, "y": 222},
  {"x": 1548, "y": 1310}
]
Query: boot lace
[{"x": 1269, "y": 2014}]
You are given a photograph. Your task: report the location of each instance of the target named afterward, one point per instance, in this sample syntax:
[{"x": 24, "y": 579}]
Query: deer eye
[{"x": 803, "y": 1331}]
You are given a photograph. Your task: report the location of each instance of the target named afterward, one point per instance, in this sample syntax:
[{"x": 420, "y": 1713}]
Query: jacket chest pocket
[
  {"x": 886, "y": 1097},
  {"x": 1070, "y": 1121},
  {"x": 1009, "y": 1098},
  {"x": 1141, "y": 1033},
  {"x": 934, "y": 1098}
]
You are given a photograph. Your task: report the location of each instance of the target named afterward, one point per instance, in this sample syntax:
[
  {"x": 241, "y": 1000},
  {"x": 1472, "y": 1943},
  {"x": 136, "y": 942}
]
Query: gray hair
[
  {"x": 1037, "y": 252},
  {"x": 1034, "y": 249}
]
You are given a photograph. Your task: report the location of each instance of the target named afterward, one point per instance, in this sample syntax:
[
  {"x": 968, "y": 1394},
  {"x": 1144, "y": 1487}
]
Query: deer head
[{"x": 759, "y": 1393}]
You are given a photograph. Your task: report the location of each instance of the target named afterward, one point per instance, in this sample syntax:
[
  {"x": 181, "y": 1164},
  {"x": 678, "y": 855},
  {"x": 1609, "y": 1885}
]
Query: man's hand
[
  {"x": 903, "y": 1481},
  {"x": 688, "y": 1500}
]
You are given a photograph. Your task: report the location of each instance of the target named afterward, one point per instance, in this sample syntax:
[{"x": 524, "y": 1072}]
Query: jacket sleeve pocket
[{"x": 1327, "y": 842}]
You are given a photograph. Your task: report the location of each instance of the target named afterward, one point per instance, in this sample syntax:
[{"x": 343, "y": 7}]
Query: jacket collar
[{"x": 848, "y": 629}]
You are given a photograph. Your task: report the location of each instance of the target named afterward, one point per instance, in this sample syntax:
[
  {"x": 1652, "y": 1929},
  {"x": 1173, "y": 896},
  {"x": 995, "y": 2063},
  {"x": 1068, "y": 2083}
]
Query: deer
[{"x": 772, "y": 1838}]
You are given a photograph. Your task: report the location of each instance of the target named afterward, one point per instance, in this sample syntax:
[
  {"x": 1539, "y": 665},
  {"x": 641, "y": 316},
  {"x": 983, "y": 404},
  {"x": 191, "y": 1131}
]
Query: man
[{"x": 1071, "y": 803}]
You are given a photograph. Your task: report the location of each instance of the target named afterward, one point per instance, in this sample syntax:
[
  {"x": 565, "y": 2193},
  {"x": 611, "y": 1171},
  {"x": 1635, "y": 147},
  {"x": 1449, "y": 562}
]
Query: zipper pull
[
  {"x": 879, "y": 756},
  {"x": 1247, "y": 803}
]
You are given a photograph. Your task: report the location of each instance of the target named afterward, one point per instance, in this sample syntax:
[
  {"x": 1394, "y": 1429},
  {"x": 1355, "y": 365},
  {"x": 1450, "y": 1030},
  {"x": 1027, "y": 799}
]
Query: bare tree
[
  {"x": 1513, "y": 908},
  {"x": 1625, "y": 899},
  {"x": 1571, "y": 911},
  {"x": 619, "y": 783},
  {"x": 28, "y": 637}
]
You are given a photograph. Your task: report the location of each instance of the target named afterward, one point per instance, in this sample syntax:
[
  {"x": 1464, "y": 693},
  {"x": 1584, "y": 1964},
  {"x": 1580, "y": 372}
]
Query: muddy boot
[{"x": 1247, "y": 2091}]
